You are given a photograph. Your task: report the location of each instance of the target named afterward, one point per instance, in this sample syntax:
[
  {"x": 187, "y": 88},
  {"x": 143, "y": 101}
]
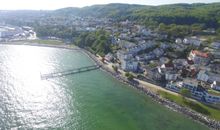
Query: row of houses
[
  {"x": 189, "y": 41},
  {"x": 215, "y": 45},
  {"x": 128, "y": 55},
  {"x": 210, "y": 78},
  {"x": 197, "y": 60},
  {"x": 164, "y": 62},
  {"x": 15, "y": 33},
  {"x": 197, "y": 91}
]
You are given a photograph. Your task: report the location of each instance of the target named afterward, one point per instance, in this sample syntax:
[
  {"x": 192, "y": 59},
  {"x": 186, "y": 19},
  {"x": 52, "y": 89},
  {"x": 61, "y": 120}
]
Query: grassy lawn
[
  {"x": 40, "y": 41},
  {"x": 214, "y": 92},
  {"x": 207, "y": 37},
  {"x": 197, "y": 106}
]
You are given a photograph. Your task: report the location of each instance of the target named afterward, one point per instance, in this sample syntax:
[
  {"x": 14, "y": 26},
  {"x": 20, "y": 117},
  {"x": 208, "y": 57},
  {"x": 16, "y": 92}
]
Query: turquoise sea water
[{"x": 85, "y": 101}]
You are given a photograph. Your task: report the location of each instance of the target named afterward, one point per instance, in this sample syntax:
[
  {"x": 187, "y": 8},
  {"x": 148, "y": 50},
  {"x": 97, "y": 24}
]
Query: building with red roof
[
  {"x": 200, "y": 54},
  {"x": 199, "y": 57}
]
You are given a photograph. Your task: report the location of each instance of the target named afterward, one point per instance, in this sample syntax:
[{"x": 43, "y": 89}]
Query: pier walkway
[{"x": 69, "y": 72}]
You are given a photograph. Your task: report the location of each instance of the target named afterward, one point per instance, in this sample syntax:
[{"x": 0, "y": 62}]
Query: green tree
[
  {"x": 99, "y": 42},
  {"x": 115, "y": 68},
  {"x": 129, "y": 76}
]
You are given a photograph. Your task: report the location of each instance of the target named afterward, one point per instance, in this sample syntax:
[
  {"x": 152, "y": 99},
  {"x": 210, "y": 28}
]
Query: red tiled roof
[{"x": 201, "y": 54}]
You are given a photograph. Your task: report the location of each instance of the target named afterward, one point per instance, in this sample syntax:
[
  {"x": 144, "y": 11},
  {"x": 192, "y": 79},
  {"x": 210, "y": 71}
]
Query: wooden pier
[{"x": 69, "y": 72}]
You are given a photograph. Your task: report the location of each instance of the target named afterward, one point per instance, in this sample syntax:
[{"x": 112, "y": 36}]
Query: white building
[
  {"x": 192, "y": 41},
  {"x": 158, "y": 52},
  {"x": 216, "y": 85},
  {"x": 109, "y": 57},
  {"x": 174, "y": 86},
  {"x": 199, "y": 57},
  {"x": 123, "y": 55},
  {"x": 180, "y": 63},
  {"x": 140, "y": 57},
  {"x": 146, "y": 32},
  {"x": 171, "y": 76},
  {"x": 126, "y": 44},
  {"x": 129, "y": 65},
  {"x": 214, "y": 77},
  {"x": 211, "y": 98},
  {"x": 215, "y": 45},
  {"x": 134, "y": 50},
  {"x": 203, "y": 76},
  {"x": 192, "y": 86},
  {"x": 178, "y": 41},
  {"x": 164, "y": 60}
]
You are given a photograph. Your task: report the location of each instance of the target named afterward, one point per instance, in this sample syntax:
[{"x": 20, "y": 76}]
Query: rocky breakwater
[{"x": 212, "y": 124}]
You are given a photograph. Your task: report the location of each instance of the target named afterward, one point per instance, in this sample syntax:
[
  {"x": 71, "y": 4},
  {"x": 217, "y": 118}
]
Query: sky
[{"x": 56, "y": 4}]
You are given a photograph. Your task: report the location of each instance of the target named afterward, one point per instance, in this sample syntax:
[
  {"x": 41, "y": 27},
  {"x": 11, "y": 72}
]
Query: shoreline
[
  {"x": 68, "y": 47},
  {"x": 200, "y": 118}
]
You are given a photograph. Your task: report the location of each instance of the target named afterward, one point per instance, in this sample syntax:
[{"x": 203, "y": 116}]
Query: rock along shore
[{"x": 210, "y": 123}]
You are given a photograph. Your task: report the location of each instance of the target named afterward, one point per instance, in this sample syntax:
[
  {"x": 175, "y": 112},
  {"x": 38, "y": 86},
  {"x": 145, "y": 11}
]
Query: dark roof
[
  {"x": 190, "y": 62},
  {"x": 169, "y": 65}
]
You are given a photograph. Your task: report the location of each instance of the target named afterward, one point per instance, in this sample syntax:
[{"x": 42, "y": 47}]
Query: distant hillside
[
  {"x": 204, "y": 15},
  {"x": 22, "y": 17},
  {"x": 109, "y": 10},
  {"x": 70, "y": 11},
  {"x": 183, "y": 14}
]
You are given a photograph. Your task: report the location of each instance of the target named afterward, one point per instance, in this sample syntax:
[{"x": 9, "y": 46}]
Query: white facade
[
  {"x": 192, "y": 41},
  {"x": 146, "y": 32},
  {"x": 214, "y": 77},
  {"x": 140, "y": 58},
  {"x": 109, "y": 57},
  {"x": 192, "y": 85},
  {"x": 171, "y": 77},
  {"x": 216, "y": 45},
  {"x": 129, "y": 65},
  {"x": 203, "y": 76},
  {"x": 215, "y": 86},
  {"x": 212, "y": 99},
  {"x": 122, "y": 55},
  {"x": 178, "y": 41},
  {"x": 199, "y": 57},
  {"x": 158, "y": 52}
]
